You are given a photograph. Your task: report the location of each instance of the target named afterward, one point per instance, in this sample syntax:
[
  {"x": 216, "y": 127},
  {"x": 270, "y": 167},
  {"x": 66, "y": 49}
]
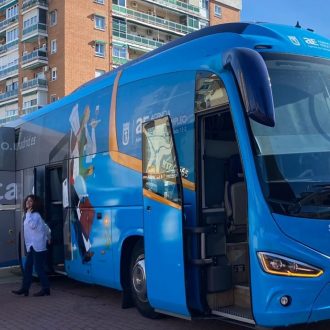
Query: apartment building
[{"x": 50, "y": 47}]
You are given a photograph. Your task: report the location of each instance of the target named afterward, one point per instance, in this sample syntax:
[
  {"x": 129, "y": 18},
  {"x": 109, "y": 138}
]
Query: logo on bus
[
  {"x": 311, "y": 41},
  {"x": 294, "y": 40},
  {"x": 125, "y": 137},
  {"x": 8, "y": 192},
  {"x": 6, "y": 146}
]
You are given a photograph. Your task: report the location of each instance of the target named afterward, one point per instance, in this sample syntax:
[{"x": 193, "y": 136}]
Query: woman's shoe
[
  {"x": 42, "y": 292},
  {"x": 21, "y": 291}
]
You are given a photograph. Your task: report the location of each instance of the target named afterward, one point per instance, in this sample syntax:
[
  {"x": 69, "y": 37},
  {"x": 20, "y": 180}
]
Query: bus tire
[{"x": 138, "y": 283}]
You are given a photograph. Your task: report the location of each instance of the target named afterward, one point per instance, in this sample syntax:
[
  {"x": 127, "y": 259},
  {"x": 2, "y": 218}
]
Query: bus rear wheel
[{"x": 139, "y": 283}]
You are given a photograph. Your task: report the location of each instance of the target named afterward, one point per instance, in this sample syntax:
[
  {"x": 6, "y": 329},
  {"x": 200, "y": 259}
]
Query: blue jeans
[{"x": 36, "y": 259}]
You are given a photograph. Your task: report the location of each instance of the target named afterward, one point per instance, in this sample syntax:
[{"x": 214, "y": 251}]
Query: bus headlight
[{"x": 279, "y": 265}]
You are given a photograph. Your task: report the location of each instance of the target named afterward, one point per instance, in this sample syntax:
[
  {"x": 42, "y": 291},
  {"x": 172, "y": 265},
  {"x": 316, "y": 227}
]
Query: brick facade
[
  {"x": 228, "y": 14},
  {"x": 129, "y": 31}
]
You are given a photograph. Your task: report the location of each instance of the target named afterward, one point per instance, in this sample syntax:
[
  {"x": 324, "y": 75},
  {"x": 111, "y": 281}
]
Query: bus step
[{"x": 236, "y": 313}]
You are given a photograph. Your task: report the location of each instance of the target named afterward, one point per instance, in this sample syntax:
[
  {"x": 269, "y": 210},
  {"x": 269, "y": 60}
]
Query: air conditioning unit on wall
[
  {"x": 133, "y": 28},
  {"x": 149, "y": 32},
  {"x": 134, "y": 4}
]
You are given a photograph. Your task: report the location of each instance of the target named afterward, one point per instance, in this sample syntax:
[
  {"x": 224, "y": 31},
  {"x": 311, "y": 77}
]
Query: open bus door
[
  {"x": 163, "y": 219},
  {"x": 54, "y": 217}
]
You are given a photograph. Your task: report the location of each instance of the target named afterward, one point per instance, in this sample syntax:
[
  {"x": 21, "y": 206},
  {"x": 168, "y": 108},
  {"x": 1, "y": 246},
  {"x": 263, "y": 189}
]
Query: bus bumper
[
  {"x": 321, "y": 306},
  {"x": 308, "y": 305}
]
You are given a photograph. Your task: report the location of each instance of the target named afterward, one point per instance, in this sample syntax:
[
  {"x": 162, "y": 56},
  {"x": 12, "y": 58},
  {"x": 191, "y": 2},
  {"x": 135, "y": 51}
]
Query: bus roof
[{"x": 260, "y": 36}]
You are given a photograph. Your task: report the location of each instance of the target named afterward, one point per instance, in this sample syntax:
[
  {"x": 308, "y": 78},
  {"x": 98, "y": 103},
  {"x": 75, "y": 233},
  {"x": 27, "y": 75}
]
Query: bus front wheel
[{"x": 139, "y": 283}]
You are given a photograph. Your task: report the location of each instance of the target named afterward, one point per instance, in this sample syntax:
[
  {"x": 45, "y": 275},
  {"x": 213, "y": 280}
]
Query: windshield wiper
[
  {"x": 296, "y": 206},
  {"x": 283, "y": 204}
]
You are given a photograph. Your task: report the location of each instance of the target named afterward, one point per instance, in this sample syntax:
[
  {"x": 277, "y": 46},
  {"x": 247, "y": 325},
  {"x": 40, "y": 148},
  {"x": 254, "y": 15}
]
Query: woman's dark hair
[{"x": 36, "y": 206}]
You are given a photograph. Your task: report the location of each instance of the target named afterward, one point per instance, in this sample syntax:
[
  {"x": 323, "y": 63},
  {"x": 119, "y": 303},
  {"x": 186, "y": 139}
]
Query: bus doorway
[
  {"x": 223, "y": 210},
  {"x": 54, "y": 218}
]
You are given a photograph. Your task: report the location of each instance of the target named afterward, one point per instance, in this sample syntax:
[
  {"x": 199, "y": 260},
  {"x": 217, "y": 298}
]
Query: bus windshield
[{"x": 293, "y": 158}]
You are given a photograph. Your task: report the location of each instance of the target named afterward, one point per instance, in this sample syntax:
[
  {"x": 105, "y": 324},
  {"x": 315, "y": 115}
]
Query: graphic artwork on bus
[{"x": 82, "y": 152}]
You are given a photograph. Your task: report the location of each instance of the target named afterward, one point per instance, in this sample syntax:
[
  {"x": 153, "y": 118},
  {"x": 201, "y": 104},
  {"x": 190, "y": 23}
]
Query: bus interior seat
[
  {"x": 216, "y": 154},
  {"x": 236, "y": 196},
  {"x": 214, "y": 182}
]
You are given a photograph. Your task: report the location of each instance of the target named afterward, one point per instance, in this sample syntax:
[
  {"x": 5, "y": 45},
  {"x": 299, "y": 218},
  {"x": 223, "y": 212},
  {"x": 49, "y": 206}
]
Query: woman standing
[{"x": 36, "y": 235}]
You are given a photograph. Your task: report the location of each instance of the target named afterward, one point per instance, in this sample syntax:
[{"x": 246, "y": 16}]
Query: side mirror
[{"x": 253, "y": 81}]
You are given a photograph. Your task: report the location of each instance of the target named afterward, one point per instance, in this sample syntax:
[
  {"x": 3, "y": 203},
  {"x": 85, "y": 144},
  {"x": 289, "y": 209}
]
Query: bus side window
[
  {"x": 160, "y": 173},
  {"x": 210, "y": 92}
]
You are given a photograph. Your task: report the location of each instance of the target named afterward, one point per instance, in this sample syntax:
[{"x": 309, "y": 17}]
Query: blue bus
[{"x": 194, "y": 179}]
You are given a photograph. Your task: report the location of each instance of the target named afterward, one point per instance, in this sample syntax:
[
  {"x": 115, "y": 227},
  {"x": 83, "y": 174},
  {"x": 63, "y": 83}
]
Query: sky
[{"x": 313, "y": 14}]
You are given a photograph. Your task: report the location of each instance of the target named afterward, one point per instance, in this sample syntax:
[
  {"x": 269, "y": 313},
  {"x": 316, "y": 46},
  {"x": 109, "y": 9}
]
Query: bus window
[
  {"x": 210, "y": 92},
  {"x": 161, "y": 175}
]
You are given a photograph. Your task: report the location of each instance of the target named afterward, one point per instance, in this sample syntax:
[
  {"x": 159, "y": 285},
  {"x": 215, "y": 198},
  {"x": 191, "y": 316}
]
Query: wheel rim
[{"x": 139, "y": 280}]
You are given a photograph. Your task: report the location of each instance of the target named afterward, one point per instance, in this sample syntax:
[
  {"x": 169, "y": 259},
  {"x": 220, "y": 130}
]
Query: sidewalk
[
  {"x": 74, "y": 305},
  {"x": 10, "y": 275}
]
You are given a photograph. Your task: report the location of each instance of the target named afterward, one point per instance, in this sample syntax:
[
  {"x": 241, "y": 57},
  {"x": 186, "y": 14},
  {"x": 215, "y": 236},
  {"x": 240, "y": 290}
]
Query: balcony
[
  {"x": 8, "y": 46},
  {"x": 6, "y": 23},
  {"x": 34, "y": 59},
  {"x": 119, "y": 60},
  {"x": 8, "y": 119},
  {"x": 178, "y": 5},
  {"x": 10, "y": 71},
  {"x": 9, "y": 97},
  {"x": 32, "y": 32},
  {"x": 29, "y": 4},
  {"x": 34, "y": 85},
  {"x": 134, "y": 40},
  {"x": 30, "y": 109},
  {"x": 152, "y": 20},
  {"x": 4, "y": 4}
]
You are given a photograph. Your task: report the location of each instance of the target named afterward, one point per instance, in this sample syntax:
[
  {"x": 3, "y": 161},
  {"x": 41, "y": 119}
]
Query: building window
[
  {"x": 205, "y": 4},
  {"x": 53, "y": 98},
  {"x": 12, "y": 35},
  {"x": 30, "y": 22},
  {"x": 119, "y": 25},
  {"x": 12, "y": 86},
  {"x": 12, "y": 11},
  {"x": 11, "y": 113},
  {"x": 54, "y": 74},
  {"x": 119, "y": 51},
  {"x": 99, "y": 22},
  {"x": 119, "y": 2},
  {"x": 99, "y": 73},
  {"x": 53, "y": 18},
  {"x": 29, "y": 104},
  {"x": 217, "y": 11},
  {"x": 53, "y": 46},
  {"x": 99, "y": 49},
  {"x": 40, "y": 75},
  {"x": 10, "y": 64},
  {"x": 101, "y": 2}
]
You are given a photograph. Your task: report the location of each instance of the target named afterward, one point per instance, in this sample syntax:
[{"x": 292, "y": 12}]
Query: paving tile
[{"x": 73, "y": 305}]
